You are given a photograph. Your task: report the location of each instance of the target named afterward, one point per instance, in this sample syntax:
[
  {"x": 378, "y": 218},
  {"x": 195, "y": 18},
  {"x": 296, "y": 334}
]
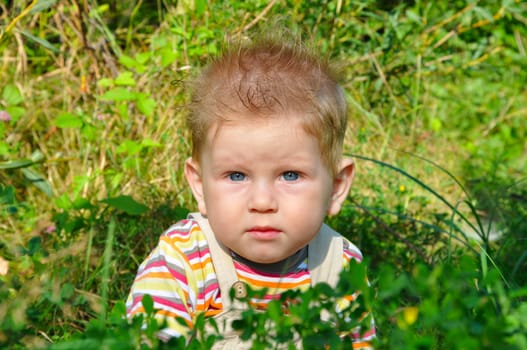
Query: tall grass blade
[
  {"x": 43, "y": 42},
  {"x": 88, "y": 254},
  {"x": 442, "y": 199},
  {"x": 107, "y": 259},
  {"x": 420, "y": 183}
]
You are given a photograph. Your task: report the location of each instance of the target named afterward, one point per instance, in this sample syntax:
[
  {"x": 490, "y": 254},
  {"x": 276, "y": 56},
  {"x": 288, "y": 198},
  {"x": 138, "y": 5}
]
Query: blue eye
[
  {"x": 236, "y": 176},
  {"x": 290, "y": 176}
]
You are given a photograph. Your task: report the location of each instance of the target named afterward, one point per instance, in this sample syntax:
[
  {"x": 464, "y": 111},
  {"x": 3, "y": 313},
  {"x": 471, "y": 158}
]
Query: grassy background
[{"x": 93, "y": 103}]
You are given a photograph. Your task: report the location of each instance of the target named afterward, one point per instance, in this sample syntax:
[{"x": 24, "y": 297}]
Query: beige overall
[{"x": 324, "y": 263}]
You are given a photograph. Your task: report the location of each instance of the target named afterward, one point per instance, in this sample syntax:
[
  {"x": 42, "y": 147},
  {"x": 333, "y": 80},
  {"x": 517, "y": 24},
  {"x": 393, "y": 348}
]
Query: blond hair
[{"x": 271, "y": 78}]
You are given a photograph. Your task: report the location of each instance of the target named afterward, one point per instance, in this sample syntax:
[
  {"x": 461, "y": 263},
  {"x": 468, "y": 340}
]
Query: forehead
[
  {"x": 276, "y": 136},
  {"x": 270, "y": 125}
]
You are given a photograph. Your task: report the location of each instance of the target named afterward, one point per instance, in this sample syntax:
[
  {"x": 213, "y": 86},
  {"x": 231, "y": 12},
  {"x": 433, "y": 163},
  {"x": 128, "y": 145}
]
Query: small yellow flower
[
  {"x": 410, "y": 314},
  {"x": 402, "y": 188}
]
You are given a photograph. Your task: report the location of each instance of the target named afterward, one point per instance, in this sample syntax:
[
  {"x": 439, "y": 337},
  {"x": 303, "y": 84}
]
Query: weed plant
[{"x": 92, "y": 140}]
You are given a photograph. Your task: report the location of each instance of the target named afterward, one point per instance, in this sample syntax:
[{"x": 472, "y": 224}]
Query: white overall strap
[
  {"x": 221, "y": 259},
  {"x": 325, "y": 259}
]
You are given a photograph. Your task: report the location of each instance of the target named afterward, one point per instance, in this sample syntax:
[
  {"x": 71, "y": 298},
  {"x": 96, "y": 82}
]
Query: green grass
[{"x": 91, "y": 159}]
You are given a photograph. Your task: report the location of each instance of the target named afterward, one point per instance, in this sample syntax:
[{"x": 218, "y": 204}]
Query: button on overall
[{"x": 240, "y": 290}]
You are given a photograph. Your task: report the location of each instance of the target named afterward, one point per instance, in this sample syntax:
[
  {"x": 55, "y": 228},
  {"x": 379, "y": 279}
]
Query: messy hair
[{"x": 270, "y": 77}]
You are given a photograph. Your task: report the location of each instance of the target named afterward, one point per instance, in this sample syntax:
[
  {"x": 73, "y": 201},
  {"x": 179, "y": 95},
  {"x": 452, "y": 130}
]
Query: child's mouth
[{"x": 264, "y": 233}]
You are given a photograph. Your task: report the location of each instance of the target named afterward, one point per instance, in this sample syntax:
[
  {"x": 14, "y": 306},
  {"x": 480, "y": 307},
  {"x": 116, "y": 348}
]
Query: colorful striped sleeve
[{"x": 179, "y": 276}]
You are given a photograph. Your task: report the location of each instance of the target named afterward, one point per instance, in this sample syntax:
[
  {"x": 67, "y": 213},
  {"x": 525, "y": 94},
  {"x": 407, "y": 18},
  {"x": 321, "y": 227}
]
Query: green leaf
[
  {"x": 127, "y": 61},
  {"x": 67, "y": 290},
  {"x": 4, "y": 148},
  {"x": 126, "y": 204},
  {"x": 63, "y": 202},
  {"x": 436, "y": 124},
  {"x": 43, "y": 42},
  {"x": 82, "y": 203},
  {"x": 118, "y": 94},
  {"x": 201, "y": 6},
  {"x": 168, "y": 56},
  {"x": 146, "y": 106},
  {"x": 125, "y": 79},
  {"x": 11, "y": 95},
  {"x": 16, "y": 164},
  {"x": 118, "y": 313},
  {"x": 67, "y": 120},
  {"x": 484, "y": 13},
  {"x": 148, "y": 304},
  {"x": 122, "y": 108},
  {"x": 89, "y": 132},
  {"x": 150, "y": 143},
  {"x": 16, "y": 112},
  {"x": 275, "y": 311},
  {"x": 38, "y": 180},
  {"x": 105, "y": 82},
  {"x": 7, "y": 194},
  {"x": 42, "y": 5},
  {"x": 101, "y": 9},
  {"x": 143, "y": 57},
  {"x": 413, "y": 16},
  {"x": 129, "y": 146}
]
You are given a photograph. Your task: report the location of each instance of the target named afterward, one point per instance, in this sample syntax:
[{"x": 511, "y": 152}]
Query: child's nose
[{"x": 262, "y": 198}]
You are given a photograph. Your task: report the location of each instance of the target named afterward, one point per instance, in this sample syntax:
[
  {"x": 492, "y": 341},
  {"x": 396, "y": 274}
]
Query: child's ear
[
  {"x": 193, "y": 175},
  {"x": 341, "y": 185}
]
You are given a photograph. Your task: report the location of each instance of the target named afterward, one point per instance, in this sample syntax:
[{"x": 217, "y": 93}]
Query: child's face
[{"x": 264, "y": 188}]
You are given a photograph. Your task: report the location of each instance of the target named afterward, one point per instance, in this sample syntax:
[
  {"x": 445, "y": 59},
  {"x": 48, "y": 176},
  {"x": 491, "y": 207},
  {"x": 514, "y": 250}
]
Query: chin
[
  {"x": 260, "y": 259},
  {"x": 267, "y": 260}
]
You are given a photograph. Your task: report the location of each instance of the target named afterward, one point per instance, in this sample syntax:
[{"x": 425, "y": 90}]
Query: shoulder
[
  {"x": 184, "y": 235},
  {"x": 181, "y": 230},
  {"x": 184, "y": 248}
]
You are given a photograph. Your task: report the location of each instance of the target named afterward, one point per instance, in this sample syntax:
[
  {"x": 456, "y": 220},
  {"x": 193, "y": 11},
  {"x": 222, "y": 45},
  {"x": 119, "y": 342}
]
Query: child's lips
[{"x": 264, "y": 233}]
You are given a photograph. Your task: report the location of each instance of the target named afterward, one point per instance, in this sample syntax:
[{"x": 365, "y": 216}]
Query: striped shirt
[{"x": 179, "y": 276}]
